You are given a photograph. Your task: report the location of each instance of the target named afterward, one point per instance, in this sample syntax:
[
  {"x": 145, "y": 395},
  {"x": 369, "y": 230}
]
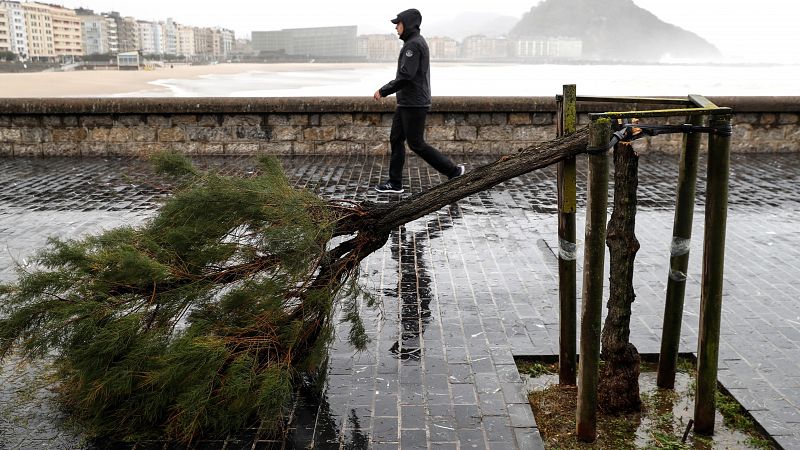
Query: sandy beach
[
  {"x": 104, "y": 83},
  {"x": 447, "y": 79}
]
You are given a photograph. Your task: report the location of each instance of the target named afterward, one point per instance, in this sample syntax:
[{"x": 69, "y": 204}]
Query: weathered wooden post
[
  {"x": 711, "y": 289},
  {"x": 679, "y": 257},
  {"x": 567, "y": 358},
  {"x": 593, "y": 274}
]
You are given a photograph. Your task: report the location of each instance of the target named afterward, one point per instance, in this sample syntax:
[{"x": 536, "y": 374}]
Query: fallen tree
[{"x": 199, "y": 321}]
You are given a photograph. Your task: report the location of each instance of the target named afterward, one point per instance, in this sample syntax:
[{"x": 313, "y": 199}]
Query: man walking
[{"x": 413, "y": 87}]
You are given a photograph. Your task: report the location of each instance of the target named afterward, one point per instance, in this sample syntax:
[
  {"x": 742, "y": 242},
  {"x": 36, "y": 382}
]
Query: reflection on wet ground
[
  {"x": 463, "y": 291},
  {"x": 415, "y": 289}
]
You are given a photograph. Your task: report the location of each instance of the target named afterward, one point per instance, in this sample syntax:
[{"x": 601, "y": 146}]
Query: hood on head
[{"x": 411, "y": 18}]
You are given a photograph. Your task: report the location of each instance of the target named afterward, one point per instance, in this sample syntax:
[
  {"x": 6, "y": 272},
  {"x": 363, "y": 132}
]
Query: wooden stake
[
  {"x": 711, "y": 290},
  {"x": 679, "y": 258},
  {"x": 567, "y": 284},
  {"x": 593, "y": 273}
]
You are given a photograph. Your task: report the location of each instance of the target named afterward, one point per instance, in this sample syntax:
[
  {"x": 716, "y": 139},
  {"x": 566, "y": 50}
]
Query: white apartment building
[
  {"x": 186, "y": 45},
  {"x": 213, "y": 43},
  {"x": 170, "y": 37},
  {"x": 5, "y": 37},
  {"x": 227, "y": 41},
  {"x": 203, "y": 43},
  {"x": 95, "y": 35},
  {"x": 99, "y": 35},
  {"x": 150, "y": 38},
  {"x": 39, "y": 26},
  {"x": 483, "y": 47},
  {"x": 113, "y": 34},
  {"x": 52, "y": 31},
  {"x": 546, "y": 47},
  {"x": 17, "y": 33},
  {"x": 378, "y": 47},
  {"x": 66, "y": 29},
  {"x": 128, "y": 34},
  {"x": 443, "y": 48}
]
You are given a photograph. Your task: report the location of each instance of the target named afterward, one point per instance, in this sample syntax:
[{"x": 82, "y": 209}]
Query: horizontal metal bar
[{"x": 662, "y": 113}]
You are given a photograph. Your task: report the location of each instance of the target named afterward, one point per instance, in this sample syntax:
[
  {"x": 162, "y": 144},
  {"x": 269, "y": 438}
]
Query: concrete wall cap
[
  {"x": 243, "y": 105},
  {"x": 267, "y": 105}
]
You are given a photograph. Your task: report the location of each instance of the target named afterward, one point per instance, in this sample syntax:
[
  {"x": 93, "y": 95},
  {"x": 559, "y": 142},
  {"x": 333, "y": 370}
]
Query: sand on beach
[
  {"x": 104, "y": 83},
  {"x": 448, "y": 79}
]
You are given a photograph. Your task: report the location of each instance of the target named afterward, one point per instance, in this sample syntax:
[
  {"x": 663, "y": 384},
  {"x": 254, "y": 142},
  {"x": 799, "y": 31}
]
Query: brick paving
[{"x": 464, "y": 291}]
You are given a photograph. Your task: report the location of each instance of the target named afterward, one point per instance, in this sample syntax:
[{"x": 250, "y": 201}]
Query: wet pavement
[{"x": 464, "y": 291}]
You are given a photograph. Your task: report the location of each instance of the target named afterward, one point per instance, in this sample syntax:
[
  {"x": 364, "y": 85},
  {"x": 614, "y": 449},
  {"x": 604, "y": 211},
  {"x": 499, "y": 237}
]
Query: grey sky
[{"x": 766, "y": 30}]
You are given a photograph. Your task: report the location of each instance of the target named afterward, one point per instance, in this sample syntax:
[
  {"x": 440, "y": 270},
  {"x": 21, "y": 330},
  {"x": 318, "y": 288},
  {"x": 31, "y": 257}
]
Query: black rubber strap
[{"x": 626, "y": 134}]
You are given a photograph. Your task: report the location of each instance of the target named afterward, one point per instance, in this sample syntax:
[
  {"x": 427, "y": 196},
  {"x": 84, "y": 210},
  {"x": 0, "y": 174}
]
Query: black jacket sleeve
[{"x": 407, "y": 67}]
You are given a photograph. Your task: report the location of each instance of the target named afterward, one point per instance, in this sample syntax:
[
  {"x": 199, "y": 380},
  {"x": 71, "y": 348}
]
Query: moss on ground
[{"x": 661, "y": 424}]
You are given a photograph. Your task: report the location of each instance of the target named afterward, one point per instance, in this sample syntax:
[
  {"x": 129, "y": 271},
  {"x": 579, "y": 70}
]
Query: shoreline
[{"x": 110, "y": 83}]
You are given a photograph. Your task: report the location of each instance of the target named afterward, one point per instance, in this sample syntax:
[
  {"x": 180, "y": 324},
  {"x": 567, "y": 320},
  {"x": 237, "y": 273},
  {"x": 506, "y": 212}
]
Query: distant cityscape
[
  {"x": 345, "y": 43},
  {"x": 42, "y": 32},
  {"x": 32, "y": 31}
]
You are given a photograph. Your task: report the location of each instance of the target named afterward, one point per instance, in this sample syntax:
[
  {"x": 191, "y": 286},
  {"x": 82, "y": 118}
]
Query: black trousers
[{"x": 408, "y": 124}]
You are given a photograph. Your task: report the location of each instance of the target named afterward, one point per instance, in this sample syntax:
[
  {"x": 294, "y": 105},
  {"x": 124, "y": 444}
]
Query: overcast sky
[{"x": 762, "y": 30}]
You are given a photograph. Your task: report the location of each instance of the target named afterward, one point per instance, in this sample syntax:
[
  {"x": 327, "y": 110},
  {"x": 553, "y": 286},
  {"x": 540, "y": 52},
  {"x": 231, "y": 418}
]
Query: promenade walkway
[{"x": 464, "y": 291}]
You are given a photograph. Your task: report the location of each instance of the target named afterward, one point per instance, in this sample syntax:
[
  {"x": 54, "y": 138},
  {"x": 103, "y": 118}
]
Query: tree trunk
[
  {"x": 375, "y": 219},
  {"x": 370, "y": 224},
  {"x": 619, "y": 377}
]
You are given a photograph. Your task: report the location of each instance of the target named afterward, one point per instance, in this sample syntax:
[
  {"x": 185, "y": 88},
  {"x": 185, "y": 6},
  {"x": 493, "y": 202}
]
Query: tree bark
[{"x": 619, "y": 377}]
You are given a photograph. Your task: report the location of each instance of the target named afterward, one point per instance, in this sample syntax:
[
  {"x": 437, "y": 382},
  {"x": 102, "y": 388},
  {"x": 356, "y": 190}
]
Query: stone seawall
[{"x": 334, "y": 125}]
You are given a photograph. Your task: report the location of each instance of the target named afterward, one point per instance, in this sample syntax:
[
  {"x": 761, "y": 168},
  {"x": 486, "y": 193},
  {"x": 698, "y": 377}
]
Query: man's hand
[{"x": 377, "y": 95}]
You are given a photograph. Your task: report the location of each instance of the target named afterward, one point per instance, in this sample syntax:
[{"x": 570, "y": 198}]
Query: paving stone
[
  {"x": 464, "y": 394},
  {"x": 385, "y": 429},
  {"x": 467, "y": 416},
  {"x": 528, "y": 439},
  {"x": 514, "y": 392},
  {"x": 443, "y": 446},
  {"x": 521, "y": 415},
  {"x": 471, "y": 439},
  {"x": 412, "y": 417},
  {"x": 442, "y": 429},
  {"x": 498, "y": 429}
]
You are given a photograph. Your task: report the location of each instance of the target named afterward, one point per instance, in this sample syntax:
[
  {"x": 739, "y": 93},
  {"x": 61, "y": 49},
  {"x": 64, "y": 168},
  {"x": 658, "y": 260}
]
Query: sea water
[{"x": 463, "y": 79}]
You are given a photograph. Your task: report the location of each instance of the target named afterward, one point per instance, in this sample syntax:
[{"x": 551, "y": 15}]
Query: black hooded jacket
[{"x": 413, "y": 80}]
